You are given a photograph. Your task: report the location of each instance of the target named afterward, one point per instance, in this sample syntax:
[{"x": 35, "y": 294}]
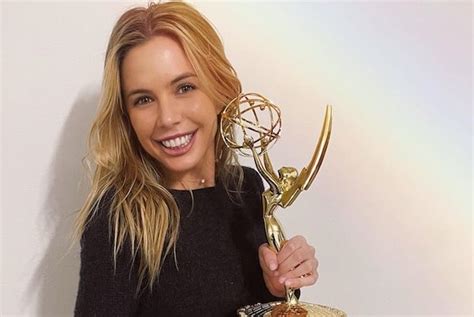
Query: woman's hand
[{"x": 294, "y": 266}]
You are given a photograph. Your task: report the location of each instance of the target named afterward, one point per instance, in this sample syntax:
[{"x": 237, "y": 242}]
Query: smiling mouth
[{"x": 178, "y": 142}]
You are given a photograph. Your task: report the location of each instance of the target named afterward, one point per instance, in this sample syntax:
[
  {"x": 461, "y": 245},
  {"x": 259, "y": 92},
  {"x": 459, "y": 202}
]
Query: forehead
[{"x": 157, "y": 61}]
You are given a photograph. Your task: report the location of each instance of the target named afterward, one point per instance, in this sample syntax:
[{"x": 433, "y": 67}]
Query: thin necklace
[{"x": 199, "y": 181}]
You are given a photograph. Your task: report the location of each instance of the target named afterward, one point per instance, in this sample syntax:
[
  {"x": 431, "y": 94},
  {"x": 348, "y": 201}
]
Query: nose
[{"x": 168, "y": 114}]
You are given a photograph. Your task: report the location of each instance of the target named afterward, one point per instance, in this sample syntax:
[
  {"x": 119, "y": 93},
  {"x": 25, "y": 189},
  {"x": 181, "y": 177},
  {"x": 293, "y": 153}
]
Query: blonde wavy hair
[{"x": 142, "y": 211}]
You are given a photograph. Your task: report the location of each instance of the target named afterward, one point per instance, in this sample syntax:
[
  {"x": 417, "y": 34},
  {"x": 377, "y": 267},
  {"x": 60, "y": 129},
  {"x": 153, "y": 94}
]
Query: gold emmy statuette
[{"x": 251, "y": 124}]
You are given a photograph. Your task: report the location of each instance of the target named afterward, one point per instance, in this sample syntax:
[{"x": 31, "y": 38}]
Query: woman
[{"x": 173, "y": 225}]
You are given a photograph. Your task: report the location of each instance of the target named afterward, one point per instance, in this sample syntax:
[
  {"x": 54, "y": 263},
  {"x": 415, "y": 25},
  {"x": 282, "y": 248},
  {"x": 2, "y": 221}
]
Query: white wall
[{"x": 390, "y": 212}]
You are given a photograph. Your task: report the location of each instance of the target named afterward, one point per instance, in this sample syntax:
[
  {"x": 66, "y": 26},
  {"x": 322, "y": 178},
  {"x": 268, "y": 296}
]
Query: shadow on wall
[{"x": 56, "y": 278}]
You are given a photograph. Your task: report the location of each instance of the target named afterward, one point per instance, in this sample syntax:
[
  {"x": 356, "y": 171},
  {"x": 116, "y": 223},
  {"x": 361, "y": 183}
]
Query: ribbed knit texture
[{"x": 217, "y": 257}]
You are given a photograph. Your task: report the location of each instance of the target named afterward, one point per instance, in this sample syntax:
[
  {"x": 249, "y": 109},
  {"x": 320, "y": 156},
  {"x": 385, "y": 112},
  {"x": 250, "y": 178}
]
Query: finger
[
  {"x": 268, "y": 258},
  {"x": 290, "y": 246},
  {"x": 298, "y": 257},
  {"x": 306, "y": 268},
  {"x": 302, "y": 281}
]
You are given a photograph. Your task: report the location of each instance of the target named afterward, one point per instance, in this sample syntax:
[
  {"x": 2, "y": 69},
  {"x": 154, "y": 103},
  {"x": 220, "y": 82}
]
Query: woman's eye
[
  {"x": 185, "y": 88},
  {"x": 142, "y": 100}
]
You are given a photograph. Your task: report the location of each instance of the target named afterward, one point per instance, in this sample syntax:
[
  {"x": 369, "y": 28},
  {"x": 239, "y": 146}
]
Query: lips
[{"x": 177, "y": 144}]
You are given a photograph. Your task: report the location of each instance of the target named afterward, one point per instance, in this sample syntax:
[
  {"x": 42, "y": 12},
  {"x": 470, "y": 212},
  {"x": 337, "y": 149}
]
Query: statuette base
[{"x": 279, "y": 309}]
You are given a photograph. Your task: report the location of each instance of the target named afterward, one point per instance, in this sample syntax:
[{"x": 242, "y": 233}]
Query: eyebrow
[
  {"x": 181, "y": 77},
  {"x": 174, "y": 81}
]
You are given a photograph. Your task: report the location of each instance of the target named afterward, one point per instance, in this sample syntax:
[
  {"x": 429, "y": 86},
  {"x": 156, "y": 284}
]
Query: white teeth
[{"x": 177, "y": 142}]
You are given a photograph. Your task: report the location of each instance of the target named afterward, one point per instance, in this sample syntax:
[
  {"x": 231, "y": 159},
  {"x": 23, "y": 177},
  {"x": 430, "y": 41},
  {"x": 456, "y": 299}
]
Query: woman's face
[{"x": 174, "y": 120}]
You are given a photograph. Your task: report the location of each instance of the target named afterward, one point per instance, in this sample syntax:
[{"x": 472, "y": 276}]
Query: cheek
[
  {"x": 211, "y": 121},
  {"x": 141, "y": 125},
  {"x": 206, "y": 115},
  {"x": 218, "y": 109}
]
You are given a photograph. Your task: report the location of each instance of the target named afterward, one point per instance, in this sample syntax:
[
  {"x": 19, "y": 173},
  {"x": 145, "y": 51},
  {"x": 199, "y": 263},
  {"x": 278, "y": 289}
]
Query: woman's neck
[
  {"x": 189, "y": 181},
  {"x": 190, "y": 184}
]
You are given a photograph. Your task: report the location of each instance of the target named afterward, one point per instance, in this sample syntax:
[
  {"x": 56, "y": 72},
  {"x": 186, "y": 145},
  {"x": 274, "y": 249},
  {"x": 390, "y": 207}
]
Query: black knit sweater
[{"x": 218, "y": 269}]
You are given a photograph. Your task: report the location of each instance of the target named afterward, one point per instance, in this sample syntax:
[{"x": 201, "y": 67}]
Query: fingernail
[
  {"x": 281, "y": 280},
  {"x": 273, "y": 266}
]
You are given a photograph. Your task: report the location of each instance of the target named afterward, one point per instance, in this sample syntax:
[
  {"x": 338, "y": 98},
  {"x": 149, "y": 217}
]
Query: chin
[{"x": 180, "y": 166}]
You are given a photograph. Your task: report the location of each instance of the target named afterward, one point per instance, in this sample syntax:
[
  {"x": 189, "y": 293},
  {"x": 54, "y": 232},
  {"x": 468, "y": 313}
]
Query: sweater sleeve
[{"x": 103, "y": 290}]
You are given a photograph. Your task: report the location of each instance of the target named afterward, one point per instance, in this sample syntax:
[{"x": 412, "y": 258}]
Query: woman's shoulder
[
  {"x": 249, "y": 171},
  {"x": 97, "y": 224},
  {"x": 107, "y": 280},
  {"x": 252, "y": 178}
]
